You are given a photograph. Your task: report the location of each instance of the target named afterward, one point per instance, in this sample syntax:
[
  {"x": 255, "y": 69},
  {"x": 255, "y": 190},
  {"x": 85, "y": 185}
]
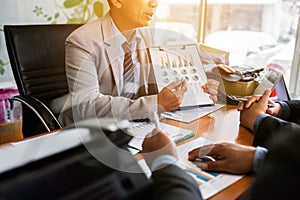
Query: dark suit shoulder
[{"x": 174, "y": 183}]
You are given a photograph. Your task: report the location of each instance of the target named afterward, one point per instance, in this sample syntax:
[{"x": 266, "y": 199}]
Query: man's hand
[
  {"x": 273, "y": 108},
  {"x": 230, "y": 157},
  {"x": 257, "y": 108},
  {"x": 171, "y": 96},
  {"x": 156, "y": 144},
  {"x": 211, "y": 87}
]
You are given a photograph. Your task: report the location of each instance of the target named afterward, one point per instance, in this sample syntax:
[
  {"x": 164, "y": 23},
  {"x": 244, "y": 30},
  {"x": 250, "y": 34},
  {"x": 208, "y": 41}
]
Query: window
[{"x": 255, "y": 32}]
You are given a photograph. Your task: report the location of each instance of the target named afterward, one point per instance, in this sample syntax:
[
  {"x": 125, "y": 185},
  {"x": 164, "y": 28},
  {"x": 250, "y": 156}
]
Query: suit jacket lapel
[
  {"x": 147, "y": 78},
  {"x": 111, "y": 50}
]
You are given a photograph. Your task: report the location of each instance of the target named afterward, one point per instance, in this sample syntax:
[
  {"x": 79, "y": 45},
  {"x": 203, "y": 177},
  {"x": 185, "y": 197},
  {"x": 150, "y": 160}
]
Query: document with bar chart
[
  {"x": 181, "y": 63},
  {"x": 209, "y": 183}
]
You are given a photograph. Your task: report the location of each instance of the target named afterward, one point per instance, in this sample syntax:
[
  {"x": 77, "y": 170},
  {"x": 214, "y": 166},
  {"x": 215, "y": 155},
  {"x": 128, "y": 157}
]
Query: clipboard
[{"x": 173, "y": 63}]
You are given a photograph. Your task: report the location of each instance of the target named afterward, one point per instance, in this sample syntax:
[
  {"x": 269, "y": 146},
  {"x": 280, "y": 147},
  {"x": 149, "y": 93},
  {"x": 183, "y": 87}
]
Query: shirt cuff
[
  {"x": 285, "y": 110},
  {"x": 259, "y": 157},
  {"x": 164, "y": 160},
  {"x": 258, "y": 121}
]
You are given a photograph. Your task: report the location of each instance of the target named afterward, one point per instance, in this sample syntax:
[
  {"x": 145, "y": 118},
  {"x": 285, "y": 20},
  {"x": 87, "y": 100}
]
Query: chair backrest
[{"x": 37, "y": 58}]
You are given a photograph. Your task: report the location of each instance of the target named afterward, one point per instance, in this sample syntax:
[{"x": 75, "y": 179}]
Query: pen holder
[
  {"x": 240, "y": 83},
  {"x": 240, "y": 88}
]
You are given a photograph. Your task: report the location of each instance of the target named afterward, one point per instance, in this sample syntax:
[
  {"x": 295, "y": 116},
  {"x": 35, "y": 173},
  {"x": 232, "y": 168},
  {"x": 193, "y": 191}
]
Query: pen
[
  {"x": 181, "y": 84},
  {"x": 245, "y": 100},
  {"x": 156, "y": 120}
]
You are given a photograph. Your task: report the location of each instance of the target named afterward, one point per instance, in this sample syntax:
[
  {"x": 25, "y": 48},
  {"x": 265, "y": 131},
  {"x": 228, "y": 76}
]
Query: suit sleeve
[
  {"x": 294, "y": 111},
  {"x": 270, "y": 128},
  {"x": 173, "y": 183}
]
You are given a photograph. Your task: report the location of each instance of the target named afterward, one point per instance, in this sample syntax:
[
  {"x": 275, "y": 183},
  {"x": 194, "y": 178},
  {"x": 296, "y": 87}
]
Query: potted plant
[{"x": 75, "y": 11}]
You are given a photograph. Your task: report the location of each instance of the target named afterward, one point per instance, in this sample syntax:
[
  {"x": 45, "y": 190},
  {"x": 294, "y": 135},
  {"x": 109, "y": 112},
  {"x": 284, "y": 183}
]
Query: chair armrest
[{"x": 45, "y": 115}]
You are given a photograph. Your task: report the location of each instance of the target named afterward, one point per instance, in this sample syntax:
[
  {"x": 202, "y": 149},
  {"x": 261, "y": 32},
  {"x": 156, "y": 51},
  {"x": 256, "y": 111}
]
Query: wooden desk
[
  {"x": 222, "y": 125},
  {"x": 11, "y": 132}
]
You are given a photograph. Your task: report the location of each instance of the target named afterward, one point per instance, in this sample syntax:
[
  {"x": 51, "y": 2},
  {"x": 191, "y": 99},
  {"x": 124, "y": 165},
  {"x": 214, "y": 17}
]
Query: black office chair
[{"x": 37, "y": 58}]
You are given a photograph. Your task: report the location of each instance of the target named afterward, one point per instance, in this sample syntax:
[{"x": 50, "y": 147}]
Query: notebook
[
  {"x": 181, "y": 63},
  {"x": 140, "y": 129}
]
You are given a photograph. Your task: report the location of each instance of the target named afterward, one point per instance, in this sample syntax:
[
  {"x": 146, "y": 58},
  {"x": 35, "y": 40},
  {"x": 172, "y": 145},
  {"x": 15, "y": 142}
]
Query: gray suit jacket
[{"x": 93, "y": 75}]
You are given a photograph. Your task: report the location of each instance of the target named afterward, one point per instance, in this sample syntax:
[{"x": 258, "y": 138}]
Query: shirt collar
[{"x": 120, "y": 39}]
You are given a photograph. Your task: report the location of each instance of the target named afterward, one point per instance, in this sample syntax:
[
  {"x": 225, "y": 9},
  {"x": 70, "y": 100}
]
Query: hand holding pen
[
  {"x": 171, "y": 96},
  {"x": 157, "y": 143},
  {"x": 155, "y": 119}
]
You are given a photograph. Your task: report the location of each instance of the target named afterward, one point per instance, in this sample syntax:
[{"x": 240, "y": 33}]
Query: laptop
[{"x": 282, "y": 91}]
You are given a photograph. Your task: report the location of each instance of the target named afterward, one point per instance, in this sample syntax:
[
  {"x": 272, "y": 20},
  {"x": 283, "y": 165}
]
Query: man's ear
[{"x": 117, "y": 3}]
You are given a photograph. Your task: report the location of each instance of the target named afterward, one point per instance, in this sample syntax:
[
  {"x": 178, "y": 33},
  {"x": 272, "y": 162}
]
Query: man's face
[{"x": 138, "y": 13}]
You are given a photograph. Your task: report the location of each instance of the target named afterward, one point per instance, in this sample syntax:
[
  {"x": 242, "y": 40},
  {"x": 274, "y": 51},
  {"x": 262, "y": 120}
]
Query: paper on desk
[
  {"x": 140, "y": 130},
  {"x": 210, "y": 183},
  {"x": 191, "y": 114}
]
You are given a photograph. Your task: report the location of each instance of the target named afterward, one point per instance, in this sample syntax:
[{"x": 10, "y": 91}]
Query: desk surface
[{"x": 222, "y": 125}]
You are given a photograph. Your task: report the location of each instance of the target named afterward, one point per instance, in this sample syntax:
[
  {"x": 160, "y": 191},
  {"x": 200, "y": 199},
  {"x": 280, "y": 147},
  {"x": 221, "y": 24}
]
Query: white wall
[{"x": 22, "y": 12}]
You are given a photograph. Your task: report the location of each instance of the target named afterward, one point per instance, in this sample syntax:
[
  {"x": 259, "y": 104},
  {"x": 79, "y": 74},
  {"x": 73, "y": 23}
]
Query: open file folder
[{"x": 177, "y": 63}]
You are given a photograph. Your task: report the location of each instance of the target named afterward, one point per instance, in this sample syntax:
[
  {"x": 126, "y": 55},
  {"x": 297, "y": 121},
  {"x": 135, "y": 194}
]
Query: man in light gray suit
[
  {"x": 94, "y": 66},
  {"x": 96, "y": 77}
]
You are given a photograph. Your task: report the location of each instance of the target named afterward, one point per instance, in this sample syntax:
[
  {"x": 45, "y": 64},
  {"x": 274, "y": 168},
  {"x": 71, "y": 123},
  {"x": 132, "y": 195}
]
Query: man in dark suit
[
  {"x": 275, "y": 158},
  {"x": 169, "y": 180},
  {"x": 277, "y": 178}
]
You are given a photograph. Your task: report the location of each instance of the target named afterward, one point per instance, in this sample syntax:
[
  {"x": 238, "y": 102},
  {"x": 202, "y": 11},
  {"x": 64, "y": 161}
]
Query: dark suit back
[{"x": 280, "y": 174}]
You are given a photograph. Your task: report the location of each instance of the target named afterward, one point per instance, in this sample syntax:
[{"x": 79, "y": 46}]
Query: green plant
[
  {"x": 2, "y": 63},
  {"x": 75, "y": 11}
]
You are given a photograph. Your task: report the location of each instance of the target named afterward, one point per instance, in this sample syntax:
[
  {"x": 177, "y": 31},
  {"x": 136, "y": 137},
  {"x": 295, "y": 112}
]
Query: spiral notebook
[{"x": 141, "y": 129}]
